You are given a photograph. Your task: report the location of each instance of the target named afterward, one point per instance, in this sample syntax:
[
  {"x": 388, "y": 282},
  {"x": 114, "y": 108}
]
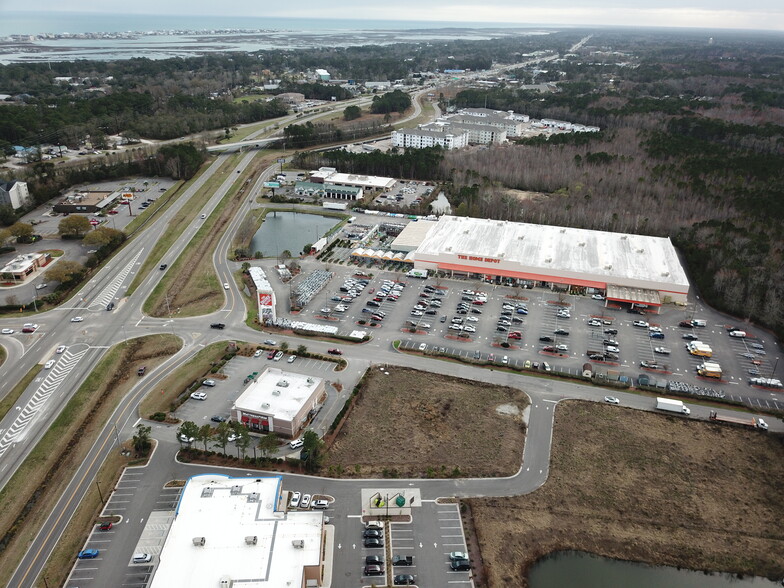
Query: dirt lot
[
  {"x": 644, "y": 487},
  {"x": 424, "y": 425}
]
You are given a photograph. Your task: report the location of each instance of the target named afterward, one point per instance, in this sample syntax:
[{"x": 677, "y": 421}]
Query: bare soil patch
[
  {"x": 417, "y": 424},
  {"x": 525, "y": 195},
  {"x": 644, "y": 487}
]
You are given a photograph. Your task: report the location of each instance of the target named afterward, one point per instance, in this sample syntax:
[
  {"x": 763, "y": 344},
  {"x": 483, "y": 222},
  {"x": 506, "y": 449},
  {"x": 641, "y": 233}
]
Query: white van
[
  {"x": 699, "y": 322},
  {"x": 374, "y": 525},
  {"x": 740, "y": 334}
]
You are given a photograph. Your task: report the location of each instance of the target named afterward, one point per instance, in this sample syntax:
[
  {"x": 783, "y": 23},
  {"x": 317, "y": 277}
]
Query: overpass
[{"x": 241, "y": 146}]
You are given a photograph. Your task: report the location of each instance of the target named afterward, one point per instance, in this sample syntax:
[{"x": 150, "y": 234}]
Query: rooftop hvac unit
[
  {"x": 199, "y": 541},
  {"x": 236, "y": 489},
  {"x": 265, "y": 405},
  {"x": 581, "y": 244},
  {"x": 283, "y": 384},
  {"x": 548, "y": 260},
  {"x": 276, "y": 392},
  {"x": 251, "y": 540},
  {"x": 310, "y": 380},
  {"x": 641, "y": 251},
  {"x": 563, "y": 230},
  {"x": 608, "y": 267},
  {"x": 665, "y": 274},
  {"x": 225, "y": 582},
  {"x": 298, "y": 543},
  {"x": 253, "y": 497},
  {"x": 624, "y": 237}
]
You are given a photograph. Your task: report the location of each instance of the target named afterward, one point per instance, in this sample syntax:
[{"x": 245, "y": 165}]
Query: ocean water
[
  {"x": 188, "y": 36},
  {"x": 27, "y": 23}
]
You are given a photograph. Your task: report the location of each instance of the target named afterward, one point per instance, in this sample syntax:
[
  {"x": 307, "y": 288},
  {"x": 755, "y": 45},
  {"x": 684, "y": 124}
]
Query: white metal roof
[
  {"x": 412, "y": 235},
  {"x": 277, "y": 393},
  {"x": 224, "y": 511},
  {"x": 260, "y": 279},
  {"x": 611, "y": 257}
]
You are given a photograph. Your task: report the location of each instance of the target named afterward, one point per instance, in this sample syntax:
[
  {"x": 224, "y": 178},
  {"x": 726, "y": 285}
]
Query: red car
[
  {"x": 334, "y": 352},
  {"x": 112, "y": 212},
  {"x": 271, "y": 354},
  {"x": 105, "y": 526}
]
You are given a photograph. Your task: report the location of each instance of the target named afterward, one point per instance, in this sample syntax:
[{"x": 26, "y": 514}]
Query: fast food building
[{"x": 628, "y": 268}]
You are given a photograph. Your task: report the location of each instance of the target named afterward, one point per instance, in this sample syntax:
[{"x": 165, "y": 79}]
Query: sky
[{"x": 749, "y": 14}]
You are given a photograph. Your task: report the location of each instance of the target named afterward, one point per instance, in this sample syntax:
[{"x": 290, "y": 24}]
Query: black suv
[
  {"x": 110, "y": 306},
  {"x": 217, "y": 326}
]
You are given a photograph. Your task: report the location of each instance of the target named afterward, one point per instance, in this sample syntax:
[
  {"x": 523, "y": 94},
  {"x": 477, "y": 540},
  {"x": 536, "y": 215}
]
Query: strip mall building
[{"x": 628, "y": 268}]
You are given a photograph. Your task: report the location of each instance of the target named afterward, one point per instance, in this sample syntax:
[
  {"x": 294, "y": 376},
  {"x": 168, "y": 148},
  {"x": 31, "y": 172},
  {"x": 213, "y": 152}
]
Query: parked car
[
  {"x": 7, "y": 331},
  {"x": 88, "y": 554},
  {"x": 377, "y": 533},
  {"x": 41, "y": 286},
  {"x": 458, "y": 555},
  {"x": 373, "y": 570},
  {"x": 142, "y": 558},
  {"x": 217, "y": 419},
  {"x": 334, "y": 351},
  {"x": 295, "y": 500},
  {"x": 404, "y": 580},
  {"x": 373, "y": 543},
  {"x": 561, "y": 332},
  {"x": 642, "y": 324},
  {"x": 198, "y": 395},
  {"x": 49, "y": 364},
  {"x": 305, "y": 502},
  {"x": 105, "y": 526},
  {"x": 296, "y": 443},
  {"x": 320, "y": 504},
  {"x": 208, "y": 383},
  {"x": 460, "y": 565},
  {"x": 278, "y": 356},
  {"x": 612, "y": 400},
  {"x": 141, "y": 371},
  {"x": 60, "y": 349},
  {"x": 185, "y": 439}
]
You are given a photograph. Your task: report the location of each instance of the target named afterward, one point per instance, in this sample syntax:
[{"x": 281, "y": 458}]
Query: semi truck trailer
[
  {"x": 671, "y": 405},
  {"x": 736, "y": 421}
]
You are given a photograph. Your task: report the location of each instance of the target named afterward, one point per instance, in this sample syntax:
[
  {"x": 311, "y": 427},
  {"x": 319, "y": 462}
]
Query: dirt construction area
[
  {"x": 646, "y": 487},
  {"x": 416, "y": 424}
]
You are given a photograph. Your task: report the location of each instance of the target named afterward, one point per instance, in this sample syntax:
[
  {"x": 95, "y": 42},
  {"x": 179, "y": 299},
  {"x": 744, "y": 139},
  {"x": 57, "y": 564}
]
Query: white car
[
  {"x": 652, "y": 329},
  {"x": 562, "y": 347},
  {"x": 270, "y": 342},
  {"x": 762, "y": 424},
  {"x": 61, "y": 349},
  {"x": 320, "y": 504},
  {"x": 612, "y": 400},
  {"x": 7, "y": 331},
  {"x": 232, "y": 437},
  {"x": 295, "y": 499},
  {"x": 77, "y": 319},
  {"x": 296, "y": 443},
  {"x": 225, "y": 285},
  {"x": 48, "y": 364},
  {"x": 305, "y": 502},
  {"x": 597, "y": 297},
  {"x": 613, "y": 349},
  {"x": 594, "y": 323},
  {"x": 422, "y": 346},
  {"x": 258, "y": 353},
  {"x": 469, "y": 329},
  {"x": 472, "y": 319},
  {"x": 41, "y": 286},
  {"x": 417, "y": 313},
  {"x": 199, "y": 395},
  {"x": 185, "y": 439},
  {"x": 642, "y": 324},
  {"x": 291, "y": 358},
  {"x": 662, "y": 350}
]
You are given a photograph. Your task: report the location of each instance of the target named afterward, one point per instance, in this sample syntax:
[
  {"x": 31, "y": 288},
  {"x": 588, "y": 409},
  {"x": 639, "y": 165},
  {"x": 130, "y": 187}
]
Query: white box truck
[
  {"x": 417, "y": 273},
  {"x": 671, "y": 405}
]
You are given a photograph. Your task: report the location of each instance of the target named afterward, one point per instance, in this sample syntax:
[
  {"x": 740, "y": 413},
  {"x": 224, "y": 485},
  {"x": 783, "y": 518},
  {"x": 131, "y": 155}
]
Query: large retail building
[
  {"x": 628, "y": 268},
  {"x": 238, "y": 532}
]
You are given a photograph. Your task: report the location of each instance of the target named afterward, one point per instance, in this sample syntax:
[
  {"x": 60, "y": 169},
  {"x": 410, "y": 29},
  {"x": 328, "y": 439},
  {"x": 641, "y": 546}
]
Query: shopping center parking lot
[{"x": 555, "y": 330}]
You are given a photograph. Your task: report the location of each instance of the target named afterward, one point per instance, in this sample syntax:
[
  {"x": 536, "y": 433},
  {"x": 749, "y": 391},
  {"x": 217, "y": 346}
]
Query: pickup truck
[{"x": 402, "y": 560}]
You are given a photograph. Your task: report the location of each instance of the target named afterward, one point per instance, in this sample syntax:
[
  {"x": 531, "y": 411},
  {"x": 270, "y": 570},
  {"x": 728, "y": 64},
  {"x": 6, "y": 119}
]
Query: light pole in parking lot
[{"x": 775, "y": 365}]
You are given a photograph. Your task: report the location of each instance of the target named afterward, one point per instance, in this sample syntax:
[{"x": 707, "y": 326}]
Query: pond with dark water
[
  {"x": 290, "y": 231},
  {"x": 575, "y": 568}
]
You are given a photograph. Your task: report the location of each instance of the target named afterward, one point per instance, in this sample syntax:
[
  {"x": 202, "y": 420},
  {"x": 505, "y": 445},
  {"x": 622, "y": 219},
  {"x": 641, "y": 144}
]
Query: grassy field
[
  {"x": 242, "y": 132},
  {"x": 640, "y": 486},
  {"x": 416, "y": 424},
  {"x": 31, "y": 493}
]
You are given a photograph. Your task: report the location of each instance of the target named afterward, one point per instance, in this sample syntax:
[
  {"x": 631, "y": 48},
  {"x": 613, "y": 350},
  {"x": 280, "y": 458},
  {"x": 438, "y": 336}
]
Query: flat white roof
[
  {"x": 611, "y": 257},
  {"x": 329, "y": 175},
  {"x": 412, "y": 235},
  {"x": 278, "y": 393},
  {"x": 225, "y": 511}
]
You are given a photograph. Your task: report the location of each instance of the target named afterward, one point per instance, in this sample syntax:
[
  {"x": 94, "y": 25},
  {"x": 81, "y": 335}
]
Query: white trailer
[
  {"x": 334, "y": 205},
  {"x": 671, "y": 405}
]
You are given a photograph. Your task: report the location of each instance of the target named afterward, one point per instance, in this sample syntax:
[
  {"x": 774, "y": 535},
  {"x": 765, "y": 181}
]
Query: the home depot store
[{"x": 630, "y": 268}]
